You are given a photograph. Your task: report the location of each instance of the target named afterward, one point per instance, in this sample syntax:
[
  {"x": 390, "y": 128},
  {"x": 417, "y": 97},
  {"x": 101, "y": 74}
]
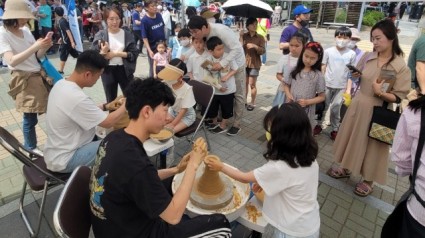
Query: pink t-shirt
[{"x": 161, "y": 59}]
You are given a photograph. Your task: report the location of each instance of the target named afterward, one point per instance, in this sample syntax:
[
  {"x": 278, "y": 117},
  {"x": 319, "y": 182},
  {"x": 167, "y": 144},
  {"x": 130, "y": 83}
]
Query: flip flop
[
  {"x": 250, "y": 107},
  {"x": 363, "y": 189},
  {"x": 338, "y": 172}
]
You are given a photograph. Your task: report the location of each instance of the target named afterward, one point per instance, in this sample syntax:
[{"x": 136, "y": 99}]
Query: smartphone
[
  {"x": 49, "y": 35},
  {"x": 353, "y": 69}
]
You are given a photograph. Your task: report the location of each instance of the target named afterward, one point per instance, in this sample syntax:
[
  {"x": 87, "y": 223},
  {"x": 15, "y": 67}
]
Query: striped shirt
[{"x": 403, "y": 155}]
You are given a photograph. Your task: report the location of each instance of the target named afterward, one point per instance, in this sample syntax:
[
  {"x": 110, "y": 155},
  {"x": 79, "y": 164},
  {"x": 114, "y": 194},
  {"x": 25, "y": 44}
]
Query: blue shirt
[
  {"x": 136, "y": 16},
  {"x": 289, "y": 31},
  {"x": 153, "y": 30},
  {"x": 46, "y": 21},
  {"x": 174, "y": 44}
]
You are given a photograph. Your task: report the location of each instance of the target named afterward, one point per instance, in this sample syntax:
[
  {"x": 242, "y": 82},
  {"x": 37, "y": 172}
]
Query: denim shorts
[
  {"x": 84, "y": 155},
  {"x": 188, "y": 119}
]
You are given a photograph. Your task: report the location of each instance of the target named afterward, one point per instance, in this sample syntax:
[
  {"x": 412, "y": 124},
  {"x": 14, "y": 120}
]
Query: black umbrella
[{"x": 248, "y": 8}]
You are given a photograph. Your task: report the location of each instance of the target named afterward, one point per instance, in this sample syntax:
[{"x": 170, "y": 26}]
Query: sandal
[
  {"x": 250, "y": 107},
  {"x": 338, "y": 172},
  {"x": 363, "y": 189}
]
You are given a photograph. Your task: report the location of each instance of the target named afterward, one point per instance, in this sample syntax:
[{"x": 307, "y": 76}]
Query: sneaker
[
  {"x": 333, "y": 135},
  {"x": 233, "y": 131},
  {"x": 37, "y": 152},
  {"x": 317, "y": 129},
  {"x": 218, "y": 130},
  {"x": 212, "y": 126}
]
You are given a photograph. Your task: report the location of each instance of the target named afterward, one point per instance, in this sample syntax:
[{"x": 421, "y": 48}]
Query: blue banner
[{"x": 73, "y": 24}]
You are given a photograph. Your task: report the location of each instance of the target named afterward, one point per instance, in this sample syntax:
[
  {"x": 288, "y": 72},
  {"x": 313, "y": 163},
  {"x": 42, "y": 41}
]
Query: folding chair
[
  {"x": 36, "y": 175},
  {"x": 204, "y": 94},
  {"x": 72, "y": 216}
]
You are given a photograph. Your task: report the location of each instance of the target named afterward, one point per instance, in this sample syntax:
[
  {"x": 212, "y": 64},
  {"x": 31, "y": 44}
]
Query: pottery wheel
[{"x": 212, "y": 202}]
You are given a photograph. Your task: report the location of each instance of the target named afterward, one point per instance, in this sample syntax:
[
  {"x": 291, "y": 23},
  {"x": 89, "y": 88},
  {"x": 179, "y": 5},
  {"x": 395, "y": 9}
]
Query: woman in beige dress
[{"x": 353, "y": 149}]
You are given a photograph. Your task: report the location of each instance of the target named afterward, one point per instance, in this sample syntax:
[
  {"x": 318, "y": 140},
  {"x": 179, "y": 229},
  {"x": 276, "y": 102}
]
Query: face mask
[
  {"x": 352, "y": 44},
  {"x": 341, "y": 43},
  {"x": 211, "y": 20},
  {"x": 303, "y": 23},
  {"x": 184, "y": 42}
]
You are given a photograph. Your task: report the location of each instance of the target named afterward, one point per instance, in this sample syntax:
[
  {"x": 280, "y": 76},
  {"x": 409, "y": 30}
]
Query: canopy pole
[
  {"x": 359, "y": 25},
  {"x": 319, "y": 15}
]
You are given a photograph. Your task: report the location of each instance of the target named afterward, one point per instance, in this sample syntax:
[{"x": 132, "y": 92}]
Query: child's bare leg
[
  {"x": 223, "y": 123},
  {"x": 252, "y": 84}
]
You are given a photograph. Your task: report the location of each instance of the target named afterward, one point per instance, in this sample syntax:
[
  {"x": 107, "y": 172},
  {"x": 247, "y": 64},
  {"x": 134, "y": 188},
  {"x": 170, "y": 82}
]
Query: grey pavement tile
[
  {"x": 358, "y": 228},
  {"x": 328, "y": 208},
  {"x": 347, "y": 233}
]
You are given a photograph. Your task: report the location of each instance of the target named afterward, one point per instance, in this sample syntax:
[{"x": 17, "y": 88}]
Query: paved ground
[{"x": 342, "y": 213}]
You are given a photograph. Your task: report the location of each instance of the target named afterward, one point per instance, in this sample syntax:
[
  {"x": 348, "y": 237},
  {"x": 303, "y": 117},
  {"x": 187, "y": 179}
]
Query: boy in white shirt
[
  {"x": 336, "y": 75},
  {"x": 224, "y": 97},
  {"x": 194, "y": 69}
]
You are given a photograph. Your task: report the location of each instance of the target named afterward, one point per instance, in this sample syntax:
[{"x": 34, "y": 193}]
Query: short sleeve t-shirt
[
  {"x": 289, "y": 31},
  {"x": 285, "y": 65},
  {"x": 71, "y": 119},
  {"x": 290, "y": 202},
  {"x": 161, "y": 59},
  {"x": 136, "y": 16},
  {"x": 230, "y": 84},
  {"x": 16, "y": 45},
  {"x": 194, "y": 65},
  {"x": 63, "y": 27},
  {"x": 126, "y": 194},
  {"x": 416, "y": 54},
  {"x": 184, "y": 98},
  {"x": 336, "y": 75},
  {"x": 153, "y": 29},
  {"x": 45, "y": 21}
]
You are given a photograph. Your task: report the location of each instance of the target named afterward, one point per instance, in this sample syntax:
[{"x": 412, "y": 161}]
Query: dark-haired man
[
  {"x": 200, "y": 28},
  {"x": 72, "y": 116},
  {"x": 129, "y": 197},
  {"x": 302, "y": 18}
]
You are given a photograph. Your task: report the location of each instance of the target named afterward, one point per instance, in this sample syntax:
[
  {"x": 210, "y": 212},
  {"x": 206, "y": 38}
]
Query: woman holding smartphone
[
  {"x": 18, "y": 47},
  {"x": 118, "y": 46},
  {"x": 355, "y": 152}
]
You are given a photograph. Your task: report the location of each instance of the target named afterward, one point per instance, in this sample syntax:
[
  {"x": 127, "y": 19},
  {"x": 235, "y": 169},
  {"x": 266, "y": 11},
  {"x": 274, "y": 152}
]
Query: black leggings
[{"x": 111, "y": 77}]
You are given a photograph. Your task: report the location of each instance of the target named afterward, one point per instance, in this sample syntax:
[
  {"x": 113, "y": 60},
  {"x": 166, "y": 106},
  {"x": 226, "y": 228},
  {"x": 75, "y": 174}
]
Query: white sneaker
[{"x": 38, "y": 152}]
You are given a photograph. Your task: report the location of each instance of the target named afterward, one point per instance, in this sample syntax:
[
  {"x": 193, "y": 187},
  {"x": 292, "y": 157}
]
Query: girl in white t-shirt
[
  {"x": 287, "y": 63},
  {"x": 290, "y": 177},
  {"x": 182, "y": 114}
]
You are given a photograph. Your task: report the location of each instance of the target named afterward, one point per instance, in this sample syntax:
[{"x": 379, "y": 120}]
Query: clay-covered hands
[
  {"x": 183, "y": 163},
  {"x": 114, "y": 105},
  {"x": 199, "y": 152},
  {"x": 214, "y": 164}
]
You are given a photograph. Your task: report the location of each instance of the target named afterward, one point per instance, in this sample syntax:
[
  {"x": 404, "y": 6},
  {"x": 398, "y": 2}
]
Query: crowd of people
[{"x": 129, "y": 196}]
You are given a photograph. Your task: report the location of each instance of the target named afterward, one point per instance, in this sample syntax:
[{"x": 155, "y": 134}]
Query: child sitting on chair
[{"x": 181, "y": 115}]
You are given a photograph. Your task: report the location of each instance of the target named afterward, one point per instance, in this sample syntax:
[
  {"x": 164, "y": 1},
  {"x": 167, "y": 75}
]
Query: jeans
[
  {"x": 85, "y": 155},
  {"x": 28, "y": 127}
]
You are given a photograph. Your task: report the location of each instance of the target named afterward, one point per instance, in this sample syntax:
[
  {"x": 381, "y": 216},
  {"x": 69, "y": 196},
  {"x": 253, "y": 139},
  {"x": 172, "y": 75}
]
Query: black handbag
[
  {"x": 393, "y": 224},
  {"x": 383, "y": 124}
]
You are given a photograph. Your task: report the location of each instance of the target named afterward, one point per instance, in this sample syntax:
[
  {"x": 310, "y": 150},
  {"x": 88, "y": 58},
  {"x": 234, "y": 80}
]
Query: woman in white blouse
[{"x": 118, "y": 46}]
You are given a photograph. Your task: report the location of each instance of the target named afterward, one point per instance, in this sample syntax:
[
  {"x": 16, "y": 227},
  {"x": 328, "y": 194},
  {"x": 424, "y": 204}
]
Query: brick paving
[{"x": 342, "y": 213}]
